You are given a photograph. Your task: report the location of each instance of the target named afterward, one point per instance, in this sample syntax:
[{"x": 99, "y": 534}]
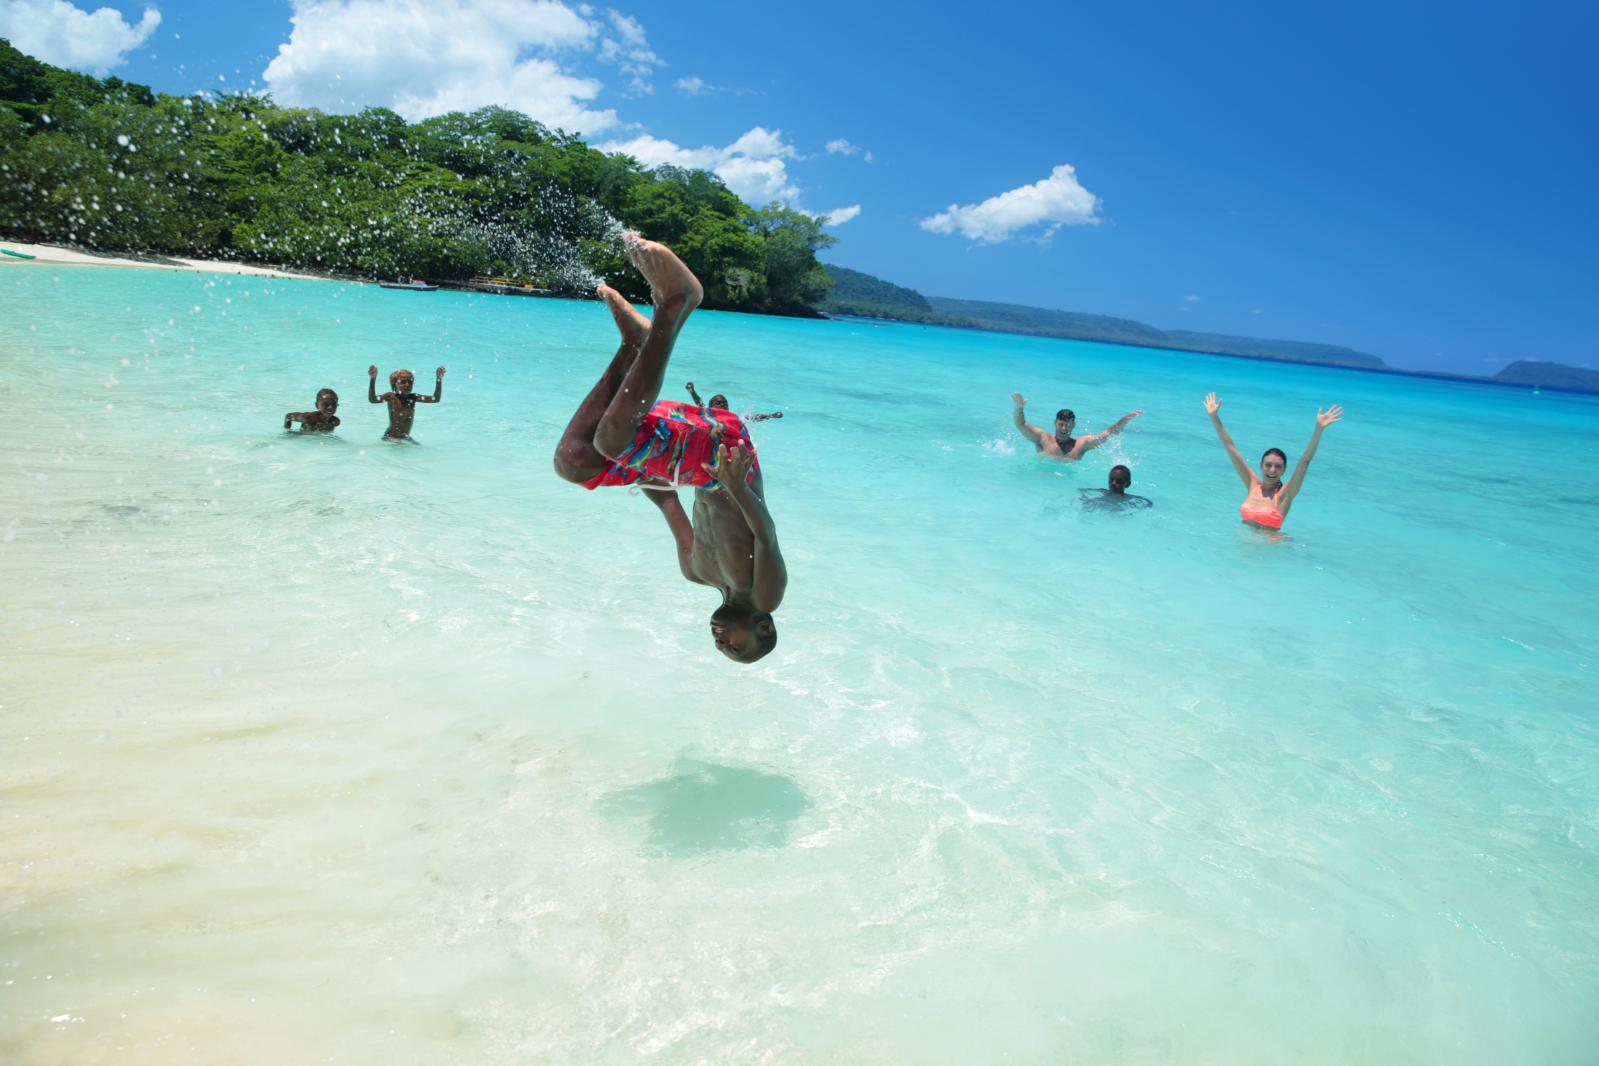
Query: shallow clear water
[{"x": 329, "y": 750}]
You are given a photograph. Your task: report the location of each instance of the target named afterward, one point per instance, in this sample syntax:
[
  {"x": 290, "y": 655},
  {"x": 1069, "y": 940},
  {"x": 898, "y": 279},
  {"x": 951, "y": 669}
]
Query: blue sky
[{"x": 1414, "y": 181}]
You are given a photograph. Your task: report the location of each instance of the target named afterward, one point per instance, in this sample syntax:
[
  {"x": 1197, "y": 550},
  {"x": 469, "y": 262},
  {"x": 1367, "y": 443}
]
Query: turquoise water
[{"x": 329, "y": 750}]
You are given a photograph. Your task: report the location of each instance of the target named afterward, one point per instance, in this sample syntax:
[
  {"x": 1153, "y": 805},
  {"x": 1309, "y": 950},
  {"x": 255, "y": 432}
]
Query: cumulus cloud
[
  {"x": 753, "y": 166},
  {"x": 427, "y": 57},
  {"x": 690, "y": 86},
  {"x": 840, "y": 215},
  {"x": 59, "y": 32},
  {"x": 1056, "y": 201}
]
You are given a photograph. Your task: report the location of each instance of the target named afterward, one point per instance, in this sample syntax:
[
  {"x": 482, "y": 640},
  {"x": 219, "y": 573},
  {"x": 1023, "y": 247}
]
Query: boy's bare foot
[
  {"x": 672, "y": 284},
  {"x": 634, "y": 327}
]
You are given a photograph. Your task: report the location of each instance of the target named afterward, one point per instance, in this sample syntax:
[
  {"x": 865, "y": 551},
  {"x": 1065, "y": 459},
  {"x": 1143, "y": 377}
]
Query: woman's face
[{"x": 1271, "y": 467}]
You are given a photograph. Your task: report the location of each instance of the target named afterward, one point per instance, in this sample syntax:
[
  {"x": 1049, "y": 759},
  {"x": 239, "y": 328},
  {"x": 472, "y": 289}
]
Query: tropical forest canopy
[{"x": 112, "y": 165}]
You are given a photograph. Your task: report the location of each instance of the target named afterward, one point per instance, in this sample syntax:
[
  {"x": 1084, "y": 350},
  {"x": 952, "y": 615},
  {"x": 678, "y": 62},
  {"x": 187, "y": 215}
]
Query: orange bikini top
[{"x": 1272, "y": 519}]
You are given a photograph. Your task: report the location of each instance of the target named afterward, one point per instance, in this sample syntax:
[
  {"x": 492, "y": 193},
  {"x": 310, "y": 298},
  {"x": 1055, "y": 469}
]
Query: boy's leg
[
  {"x": 576, "y": 458},
  {"x": 676, "y": 293}
]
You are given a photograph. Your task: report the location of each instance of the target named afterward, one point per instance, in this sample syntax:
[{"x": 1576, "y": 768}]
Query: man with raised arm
[
  {"x": 1062, "y": 445},
  {"x": 622, "y": 434}
]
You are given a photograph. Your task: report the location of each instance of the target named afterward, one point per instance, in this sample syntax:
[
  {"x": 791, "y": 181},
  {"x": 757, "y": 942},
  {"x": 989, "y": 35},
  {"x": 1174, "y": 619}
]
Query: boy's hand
[
  {"x": 441, "y": 372},
  {"x": 732, "y": 468},
  {"x": 371, "y": 371}
]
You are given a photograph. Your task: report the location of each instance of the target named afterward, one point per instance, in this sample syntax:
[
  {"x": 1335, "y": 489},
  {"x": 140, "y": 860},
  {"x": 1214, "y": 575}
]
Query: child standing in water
[
  {"x": 322, "y": 420},
  {"x": 401, "y": 400}
]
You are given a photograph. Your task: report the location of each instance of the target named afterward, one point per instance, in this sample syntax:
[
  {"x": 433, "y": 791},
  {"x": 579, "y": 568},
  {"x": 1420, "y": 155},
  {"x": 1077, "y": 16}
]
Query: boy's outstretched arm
[
  {"x": 438, "y": 388},
  {"x": 293, "y": 416},
  {"x": 771, "y": 572},
  {"x": 372, "y": 386}
]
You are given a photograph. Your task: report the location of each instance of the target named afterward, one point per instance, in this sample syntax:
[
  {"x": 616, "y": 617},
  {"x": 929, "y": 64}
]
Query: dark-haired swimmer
[
  {"x": 322, "y": 420},
  {"x": 1062, "y": 445},
  {"x": 1116, "y": 497},
  {"x": 623, "y": 434},
  {"x": 401, "y": 400},
  {"x": 720, "y": 401},
  {"x": 1269, "y": 496}
]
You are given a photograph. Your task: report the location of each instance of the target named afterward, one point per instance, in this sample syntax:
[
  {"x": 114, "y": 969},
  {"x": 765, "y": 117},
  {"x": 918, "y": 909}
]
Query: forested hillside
[{"x": 111, "y": 165}]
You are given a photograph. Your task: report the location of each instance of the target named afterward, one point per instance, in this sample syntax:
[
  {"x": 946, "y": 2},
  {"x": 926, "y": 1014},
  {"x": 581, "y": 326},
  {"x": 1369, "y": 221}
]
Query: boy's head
[
  {"x": 327, "y": 401},
  {"x": 402, "y": 380},
  {"x": 742, "y": 633},
  {"x": 1121, "y": 478}
]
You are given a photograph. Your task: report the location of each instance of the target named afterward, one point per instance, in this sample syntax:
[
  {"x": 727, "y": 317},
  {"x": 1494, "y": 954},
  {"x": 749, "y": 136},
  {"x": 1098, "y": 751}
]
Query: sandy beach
[{"x": 57, "y": 255}]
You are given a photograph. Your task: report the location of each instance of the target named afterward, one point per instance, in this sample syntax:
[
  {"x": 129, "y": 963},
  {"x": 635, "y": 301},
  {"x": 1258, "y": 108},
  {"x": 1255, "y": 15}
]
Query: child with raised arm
[
  {"x": 322, "y": 420},
  {"x": 401, "y": 400}
]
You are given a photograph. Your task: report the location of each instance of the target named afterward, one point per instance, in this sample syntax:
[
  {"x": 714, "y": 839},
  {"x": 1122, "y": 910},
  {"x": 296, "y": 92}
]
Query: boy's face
[
  {"x": 403, "y": 383},
  {"x": 327, "y": 404}
]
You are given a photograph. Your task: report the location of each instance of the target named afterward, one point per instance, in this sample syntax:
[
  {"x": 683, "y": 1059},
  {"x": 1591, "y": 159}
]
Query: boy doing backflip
[
  {"x": 622, "y": 434},
  {"x": 401, "y": 400}
]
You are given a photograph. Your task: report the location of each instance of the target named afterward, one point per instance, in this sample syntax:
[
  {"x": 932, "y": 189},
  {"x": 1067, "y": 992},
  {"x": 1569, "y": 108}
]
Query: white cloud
[
  {"x": 631, "y": 53},
  {"x": 752, "y": 166},
  {"x": 839, "y": 146},
  {"x": 690, "y": 86},
  {"x": 840, "y": 215},
  {"x": 1058, "y": 200},
  {"x": 762, "y": 143},
  {"x": 1192, "y": 299},
  {"x": 655, "y": 152},
  {"x": 427, "y": 57},
  {"x": 59, "y": 32}
]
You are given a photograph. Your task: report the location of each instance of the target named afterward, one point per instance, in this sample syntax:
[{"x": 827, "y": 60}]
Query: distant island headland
[{"x": 860, "y": 295}]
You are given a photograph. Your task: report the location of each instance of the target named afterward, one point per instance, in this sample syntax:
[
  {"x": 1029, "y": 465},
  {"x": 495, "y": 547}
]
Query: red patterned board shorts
[{"x": 673, "y": 441}]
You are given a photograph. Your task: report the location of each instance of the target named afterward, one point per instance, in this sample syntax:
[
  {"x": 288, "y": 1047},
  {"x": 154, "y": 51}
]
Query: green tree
[{"x": 789, "y": 241}]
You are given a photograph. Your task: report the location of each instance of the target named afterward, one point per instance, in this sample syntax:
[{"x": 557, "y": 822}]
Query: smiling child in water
[{"x": 323, "y": 420}]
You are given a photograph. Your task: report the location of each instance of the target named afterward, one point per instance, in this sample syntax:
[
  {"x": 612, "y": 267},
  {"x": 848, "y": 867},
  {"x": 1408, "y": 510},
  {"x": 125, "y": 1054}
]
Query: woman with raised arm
[{"x": 1269, "y": 496}]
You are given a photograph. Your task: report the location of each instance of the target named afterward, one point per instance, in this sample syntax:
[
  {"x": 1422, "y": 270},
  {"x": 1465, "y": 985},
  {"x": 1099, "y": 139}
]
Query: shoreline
[{"x": 67, "y": 255}]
